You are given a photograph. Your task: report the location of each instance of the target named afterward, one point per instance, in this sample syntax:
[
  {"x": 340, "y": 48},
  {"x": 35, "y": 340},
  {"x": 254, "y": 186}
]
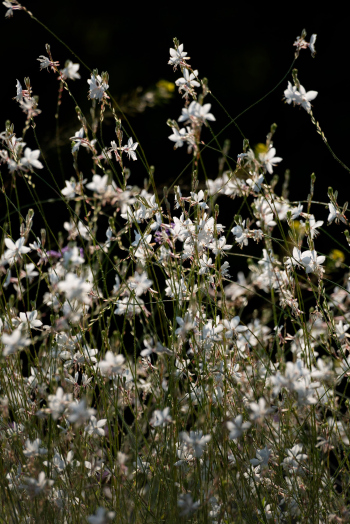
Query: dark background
[{"x": 243, "y": 50}]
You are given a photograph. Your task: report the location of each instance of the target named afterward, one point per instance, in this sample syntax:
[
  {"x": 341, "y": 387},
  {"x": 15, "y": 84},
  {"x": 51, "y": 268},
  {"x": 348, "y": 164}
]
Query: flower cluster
[{"x": 142, "y": 377}]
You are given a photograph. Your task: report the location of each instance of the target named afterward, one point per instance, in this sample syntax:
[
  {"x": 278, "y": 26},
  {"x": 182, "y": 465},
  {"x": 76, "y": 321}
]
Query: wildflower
[
  {"x": 151, "y": 348},
  {"x": 237, "y": 427},
  {"x": 262, "y": 458},
  {"x": 34, "y": 487},
  {"x": 259, "y": 410},
  {"x": 196, "y": 113},
  {"x": 296, "y": 211},
  {"x": 79, "y": 413},
  {"x": 140, "y": 283},
  {"x": 30, "y": 272},
  {"x": 33, "y": 449},
  {"x": 95, "y": 427},
  {"x": 98, "y": 87},
  {"x": 130, "y": 149},
  {"x": 45, "y": 63},
  {"x": 178, "y": 56},
  {"x": 334, "y": 213},
  {"x": 102, "y": 516},
  {"x": 58, "y": 402},
  {"x": 187, "y": 82},
  {"x": 241, "y": 234},
  {"x": 219, "y": 246},
  {"x": 312, "y": 262},
  {"x": 12, "y": 6},
  {"x": 301, "y": 43},
  {"x": 15, "y": 249},
  {"x": 29, "y": 319},
  {"x": 255, "y": 182},
  {"x": 111, "y": 364},
  {"x": 79, "y": 140},
  {"x": 269, "y": 160},
  {"x": 299, "y": 97},
  {"x": 30, "y": 159},
  {"x": 161, "y": 418},
  {"x": 70, "y": 71},
  {"x": 294, "y": 459},
  {"x": 185, "y": 502},
  {"x": 98, "y": 184},
  {"x": 314, "y": 225},
  {"x": 178, "y": 136},
  {"x": 196, "y": 440},
  {"x": 75, "y": 288}
]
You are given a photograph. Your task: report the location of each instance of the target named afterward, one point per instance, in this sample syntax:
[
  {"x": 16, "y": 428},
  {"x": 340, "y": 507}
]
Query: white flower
[
  {"x": 98, "y": 184},
  {"x": 255, "y": 182},
  {"x": 188, "y": 81},
  {"x": 269, "y": 160},
  {"x": 334, "y": 213},
  {"x": 58, "y": 402},
  {"x": 30, "y": 159},
  {"x": 219, "y": 246},
  {"x": 196, "y": 440},
  {"x": 11, "y": 7},
  {"x": 45, "y": 62},
  {"x": 101, "y": 516},
  {"x": 151, "y": 348},
  {"x": 79, "y": 413},
  {"x": 130, "y": 149},
  {"x": 311, "y": 261},
  {"x": 296, "y": 211},
  {"x": 241, "y": 234},
  {"x": 33, "y": 487},
  {"x": 299, "y": 97},
  {"x": 15, "y": 249},
  {"x": 140, "y": 283},
  {"x": 196, "y": 113},
  {"x": 160, "y": 418},
  {"x": 112, "y": 364},
  {"x": 95, "y": 427},
  {"x": 314, "y": 225},
  {"x": 177, "y": 56},
  {"x": 178, "y": 136},
  {"x": 29, "y": 319},
  {"x": 75, "y": 288},
  {"x": 98, "y": 87},
  {"x": 301, "y": 43},
  {"x": 33, "y": 449},
  {"x": 185, "y": 502},
  {"x": 262, "y": 458},
  {"x": 259, "y": 410},
  {"x": 70, "y": 71},
  {"x": 237, "y": 427}
]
